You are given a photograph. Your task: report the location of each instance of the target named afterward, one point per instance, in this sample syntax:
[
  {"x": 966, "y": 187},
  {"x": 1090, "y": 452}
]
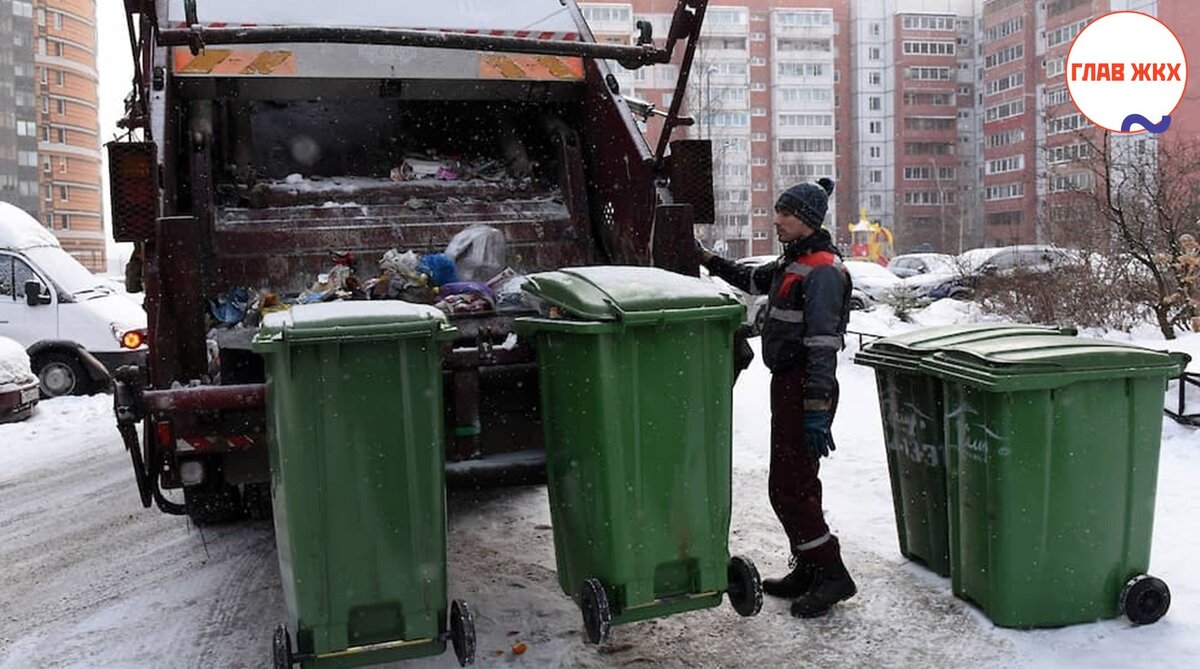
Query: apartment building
[
  {"x": 914, "y": 120},
  {"x": 18, "y": 106},
  {"x": 49, "y": 127},
  {"x": 766, "y": 88}
]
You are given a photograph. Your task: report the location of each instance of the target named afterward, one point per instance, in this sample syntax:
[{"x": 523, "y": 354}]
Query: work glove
[{"x": 818, "y": 437}]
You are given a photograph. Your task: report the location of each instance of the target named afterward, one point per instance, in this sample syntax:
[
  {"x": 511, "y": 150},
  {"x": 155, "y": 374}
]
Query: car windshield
[
  {"x": 66, "y": 272},
  {"x": 939, "y": 265},
  {"x": 975, "y": 259}
]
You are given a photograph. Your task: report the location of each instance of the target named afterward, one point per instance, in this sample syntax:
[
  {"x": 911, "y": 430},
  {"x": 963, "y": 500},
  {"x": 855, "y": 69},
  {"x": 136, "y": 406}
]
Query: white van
[{"x": 76, "y": 329}]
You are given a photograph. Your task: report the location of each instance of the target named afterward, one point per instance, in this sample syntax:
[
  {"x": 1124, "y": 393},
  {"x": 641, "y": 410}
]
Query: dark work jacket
[{"x": 808, "y": 307}]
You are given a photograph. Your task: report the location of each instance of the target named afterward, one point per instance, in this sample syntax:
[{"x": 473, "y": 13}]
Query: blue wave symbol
[{"x": 1151, "y": 127}]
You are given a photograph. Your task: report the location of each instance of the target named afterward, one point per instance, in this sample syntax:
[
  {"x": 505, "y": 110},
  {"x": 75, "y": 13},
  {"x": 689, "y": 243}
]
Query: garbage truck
[{"x": 268, "y": 144}]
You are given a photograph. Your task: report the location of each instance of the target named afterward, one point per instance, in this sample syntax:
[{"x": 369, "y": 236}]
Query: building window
[
  {"x": 760, "y": 211},
  {"x": 806, "y": 145},
  {"x": 875, "y": 127},
  {"x": 812, "y": 45},
  {"x": 874, "y": 53},
  {"x": 758, "y": 137},
  {"x": 760, "y": 186},
  {"x": 790, "y": 69},
  {"x": 758, "y": 37},
  {"x": 927, "y": 48},
  {"x": 64, "y": 193},
  {"x": 927, "y": 73},
  {"x": 65, "y": 221},
  {"x": 1054, "y": 67},
  {"x": 600, "y": 14},
  {"x": 875, "y": 78},
  {"x": 57, "y": 20},
  {"x": 926, "y": 22},
  {"x": 805, "y": 94},
  {"x": 874, "y": 103},
  {"x": 876, "y": 201},
  {"x": 48, "y": 193},
  {"x": 63, "y": 163},
  {"x": 1010, "y": 191},
  {"x": 806, "y": 18},
  {"x": 876, "y": 29},
  {"x": 61, "y": 106},
  {"x": 875, "y": 176},
  {"x": 60, "y": 78},
  {"x": 61, "y": 135},
  {"x": 758, "y": 61},
  {"x": 875, "y": 152},
  {"x": 758, "y": 111},
  {"x": 45, "y": 104},
  {"x": 45, "y": 76},
  {"x": 760, "y": 235},
  {"x": 46, "y": 165},
  {"x": 758, "y": 86}
]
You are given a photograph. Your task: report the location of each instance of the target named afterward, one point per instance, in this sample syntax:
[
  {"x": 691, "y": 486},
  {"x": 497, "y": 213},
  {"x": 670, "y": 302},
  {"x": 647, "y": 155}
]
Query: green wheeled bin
[
  {"x": 636, "y": 379},
  {"x": 1053, "y": 460},
  {"x": 910, "y": 404},
  {"x": 355, "y": 425}
]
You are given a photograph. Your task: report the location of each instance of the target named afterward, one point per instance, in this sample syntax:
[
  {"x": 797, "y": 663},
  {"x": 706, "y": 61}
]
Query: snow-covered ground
[{"x": 92, "y": 580}]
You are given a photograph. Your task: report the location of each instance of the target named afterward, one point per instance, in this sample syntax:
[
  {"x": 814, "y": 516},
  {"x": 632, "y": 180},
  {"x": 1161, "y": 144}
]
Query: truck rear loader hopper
[{"x": 256, "y": 146}]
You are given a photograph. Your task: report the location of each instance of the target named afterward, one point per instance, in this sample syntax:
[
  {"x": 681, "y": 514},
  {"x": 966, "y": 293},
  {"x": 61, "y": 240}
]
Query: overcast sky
[{"x": 115, "y": 65}]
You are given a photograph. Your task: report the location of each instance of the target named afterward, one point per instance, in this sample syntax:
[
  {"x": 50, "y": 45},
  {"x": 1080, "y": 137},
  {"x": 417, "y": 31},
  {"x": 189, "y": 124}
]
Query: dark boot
[
  {"x": 831, "y": 584},
  {"x": 794, "y": 584}
]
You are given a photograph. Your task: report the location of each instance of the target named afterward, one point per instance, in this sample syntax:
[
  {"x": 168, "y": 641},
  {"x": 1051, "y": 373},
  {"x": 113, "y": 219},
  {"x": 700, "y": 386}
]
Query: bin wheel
[
  {"x": 745, "y": 587},
  {"x": 281, "y": 648},
  {"x": 462, "y": 632},
  {"x": 1145, "y": 599},
  {"x": 597, "y": 617}
]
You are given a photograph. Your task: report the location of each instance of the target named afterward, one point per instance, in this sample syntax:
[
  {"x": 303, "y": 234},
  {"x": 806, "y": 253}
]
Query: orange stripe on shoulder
[
  {"x": 786, "y": 285},
  {"x": 817, "y": 259}
]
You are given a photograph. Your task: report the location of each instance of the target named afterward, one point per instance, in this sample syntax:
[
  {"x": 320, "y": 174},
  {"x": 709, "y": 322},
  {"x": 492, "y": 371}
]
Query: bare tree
[{"x": 1141, "y": 209}]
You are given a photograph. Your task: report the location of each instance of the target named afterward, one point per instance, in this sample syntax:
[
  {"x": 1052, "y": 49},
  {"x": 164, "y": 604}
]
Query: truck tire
[
  {"x": 60, "y": 373},
  {"x": 256, "y": 500},
  {"x": 213, "y": 502}
]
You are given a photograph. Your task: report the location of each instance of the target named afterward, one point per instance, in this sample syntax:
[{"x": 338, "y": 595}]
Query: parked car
[
  {"x": 74, "y": 326},
  {"x": 974, "y": 265},
  {"x": 18, "y": 386},
  {"x": 872, "y": 280},
  {"x": 912, "y": 264}
]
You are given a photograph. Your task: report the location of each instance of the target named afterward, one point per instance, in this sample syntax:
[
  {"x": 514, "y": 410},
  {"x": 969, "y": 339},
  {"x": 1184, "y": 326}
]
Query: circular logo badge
[{"x": 1126, "y": 72}]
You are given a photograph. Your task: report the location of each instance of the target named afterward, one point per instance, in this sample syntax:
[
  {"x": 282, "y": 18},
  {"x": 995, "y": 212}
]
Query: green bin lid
[
  {"x": 1040, "y": 362},
  {"x": 330, "y": 321},
  {"x": 608, "y": 293},
  {"x": 904, "y": 351}
]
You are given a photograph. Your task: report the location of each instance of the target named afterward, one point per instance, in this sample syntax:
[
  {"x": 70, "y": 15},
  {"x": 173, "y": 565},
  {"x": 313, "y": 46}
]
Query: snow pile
[
  {"x": 62, "y": 431},
  {"x": 213, "y": 599},
  {"x": 14, "y": 363}
]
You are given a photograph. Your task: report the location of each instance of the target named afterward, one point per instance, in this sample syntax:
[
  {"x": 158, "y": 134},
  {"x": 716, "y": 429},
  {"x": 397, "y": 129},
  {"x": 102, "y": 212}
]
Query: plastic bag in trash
[
  {"x": 507, "y": 287},
  {"x": 439, "y": 267},
  {"x": 230, "y": 308},
  {"x": 400, "y": 263},
  {"x": 479, "y": 252}
]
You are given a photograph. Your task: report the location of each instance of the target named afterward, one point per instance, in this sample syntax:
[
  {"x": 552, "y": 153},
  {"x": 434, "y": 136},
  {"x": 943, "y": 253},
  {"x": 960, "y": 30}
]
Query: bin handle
[{"x": 362, "y": 332}]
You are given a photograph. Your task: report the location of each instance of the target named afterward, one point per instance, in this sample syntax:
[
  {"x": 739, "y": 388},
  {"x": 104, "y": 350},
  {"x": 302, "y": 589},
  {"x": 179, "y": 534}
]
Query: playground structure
[{"x": 870, "y": 241}]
